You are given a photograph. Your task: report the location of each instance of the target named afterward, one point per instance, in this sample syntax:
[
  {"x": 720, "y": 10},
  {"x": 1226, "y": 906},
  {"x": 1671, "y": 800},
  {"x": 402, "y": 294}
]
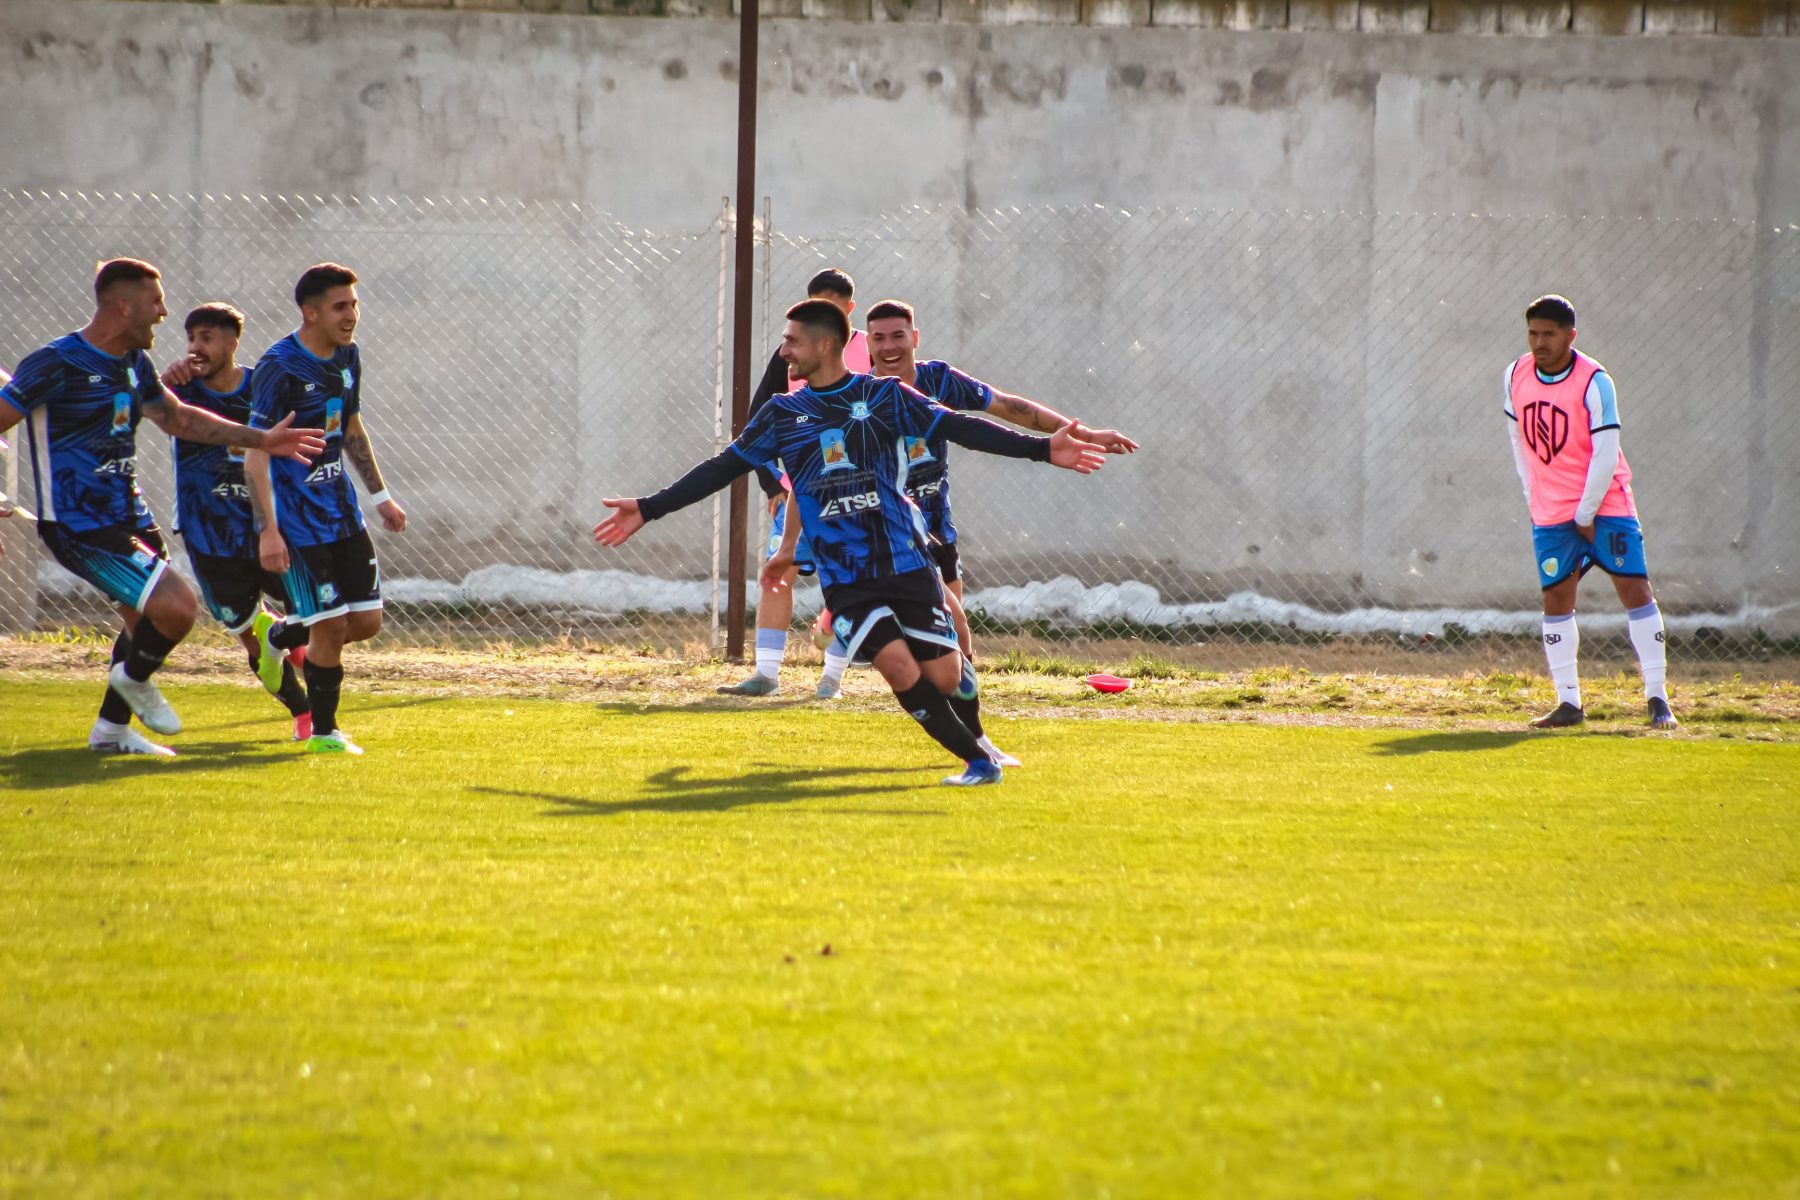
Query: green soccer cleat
[
  {"x": 335, "y": 742},
  {"x": 268, "y": 658},
  {"x": 756, "y": 685}
]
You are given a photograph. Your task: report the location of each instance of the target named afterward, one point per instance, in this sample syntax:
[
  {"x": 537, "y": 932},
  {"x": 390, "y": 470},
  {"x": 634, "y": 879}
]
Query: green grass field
[{"x": 557, "y": 948}]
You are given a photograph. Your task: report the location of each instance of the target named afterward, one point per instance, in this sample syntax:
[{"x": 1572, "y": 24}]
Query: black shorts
[
  {"x": 123, "y": 561},
  {"x": 870, "y": 613},
  {"x": 233, "y": 588},
  {"x": 947, "y": 558},
  {"x": 333, "y": 578}
]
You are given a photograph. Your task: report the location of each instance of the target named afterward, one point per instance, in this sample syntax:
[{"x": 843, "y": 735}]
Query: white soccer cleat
[
  {"x": 146, "y": 700},
  {"x": 996, "y": 753},
  {"x": 106, "y": 738}
]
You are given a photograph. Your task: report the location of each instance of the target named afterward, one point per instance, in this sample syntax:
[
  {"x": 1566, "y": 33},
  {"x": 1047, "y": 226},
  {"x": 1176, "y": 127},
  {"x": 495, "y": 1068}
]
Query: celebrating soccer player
[
  {"x": 893, "y": 347},
  {"x": 84, "y": 394},
  {"x": 1565, "y": 443},
  {"x": 775, "y": 606},
  {"x": 212, "y": 505},
  {"x": 311, "y": 526},
  {"x": 843, "y": 438}
]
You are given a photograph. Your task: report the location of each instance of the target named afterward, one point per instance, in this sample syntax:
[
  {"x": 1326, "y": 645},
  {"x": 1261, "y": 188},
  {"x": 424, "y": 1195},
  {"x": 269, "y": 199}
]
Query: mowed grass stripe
[{"x": 575, "y": 949}]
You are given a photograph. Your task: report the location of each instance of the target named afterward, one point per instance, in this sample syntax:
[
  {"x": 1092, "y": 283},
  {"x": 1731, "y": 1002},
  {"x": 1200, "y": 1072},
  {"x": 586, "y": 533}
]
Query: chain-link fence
[{"x": 1325, "y": 462}]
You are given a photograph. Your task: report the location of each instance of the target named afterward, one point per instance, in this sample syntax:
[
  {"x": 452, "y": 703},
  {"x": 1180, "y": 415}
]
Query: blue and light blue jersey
[
  {"x": 82, "y": 407},
  {"x": 849, "y": 453},
  {"x": 313, "y": 505},
  {"x": 212, "y": 502},
  {"x": 928, "y": 482}
]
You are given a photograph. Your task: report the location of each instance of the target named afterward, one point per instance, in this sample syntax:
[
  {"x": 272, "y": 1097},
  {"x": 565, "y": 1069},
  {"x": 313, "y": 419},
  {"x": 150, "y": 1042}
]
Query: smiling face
[
  {"x": 803, "y": 350},
  {"x": 332, "y": 315},
  {"x": 893, "y": 346},
  {"x": 212, "y": 349},
  {"x": 140, "y": 309}
]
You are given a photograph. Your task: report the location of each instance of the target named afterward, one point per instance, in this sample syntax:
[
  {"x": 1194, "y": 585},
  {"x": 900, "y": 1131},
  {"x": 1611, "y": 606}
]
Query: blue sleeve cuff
[{"x": 6, "y": 395}]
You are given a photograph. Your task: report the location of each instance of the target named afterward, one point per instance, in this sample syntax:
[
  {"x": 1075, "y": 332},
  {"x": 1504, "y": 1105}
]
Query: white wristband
[{"x": 380, "y": 498}]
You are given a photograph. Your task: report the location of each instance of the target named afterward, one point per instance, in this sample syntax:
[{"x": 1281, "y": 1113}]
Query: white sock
[
  {"x": 835, "y": 665},
  {"x": 1646, "y": 627},
  {"x": 1562, "y": 644},
  {"x": 768, "y": 662}
]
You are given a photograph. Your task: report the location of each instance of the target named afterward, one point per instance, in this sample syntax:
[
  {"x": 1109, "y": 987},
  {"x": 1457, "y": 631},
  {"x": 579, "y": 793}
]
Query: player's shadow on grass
[
  {"x": 674, "y": 790},
  {"x": 70, "y": 766},
  {"x": 348, "y": 712},
  {"x": 1439, "y": 743}
]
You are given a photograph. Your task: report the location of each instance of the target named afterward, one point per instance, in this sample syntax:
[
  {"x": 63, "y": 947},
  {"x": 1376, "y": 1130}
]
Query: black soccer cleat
[
  {"x": 1563, "y": 716},
  {"x": 1660, "y": 716}
]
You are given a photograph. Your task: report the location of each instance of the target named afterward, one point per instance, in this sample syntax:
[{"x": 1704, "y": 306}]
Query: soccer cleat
[
  {"x": 996, "y": 753},
  {"x": 335, "y": 742},
  {"x": 268, "y": 658},
  {"x": 976, "y": 773},
  {"x": 123, "y": 739},
  {"x": 303, "y": 727},
  {"x": 1660, "y": 716},
  {"x": 1563, "y": 716},
  {"x": 756, "y": 685},
  {"x": 828, "y": 689},
  {"x": 146, "y": 700}
]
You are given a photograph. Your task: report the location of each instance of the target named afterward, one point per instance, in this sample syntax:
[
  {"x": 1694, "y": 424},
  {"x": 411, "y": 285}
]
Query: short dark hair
[
  {"x": 218, "y": 315},
  {"x": 832, "y": 282},
  {"x": 122, "y": 270},
  {"x": 321, "y": 279},
  {"x": 891, "y": 308},
  {"x": 1552, "y": 307},
  {"x": 822, "y": 316}
]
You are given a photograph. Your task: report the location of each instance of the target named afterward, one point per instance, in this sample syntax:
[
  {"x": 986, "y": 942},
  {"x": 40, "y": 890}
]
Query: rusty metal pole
[{"x": 737, "y": 560}]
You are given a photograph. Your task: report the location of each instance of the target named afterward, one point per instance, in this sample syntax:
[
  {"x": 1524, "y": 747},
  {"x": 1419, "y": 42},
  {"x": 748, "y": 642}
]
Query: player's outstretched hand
[
  {"x": 393, "y": 517},
  {"x": 282, "y": 440},
  {"x": 178, "y": 372},
  {"x": 272, "y": 551},
  {"x": 774, "y": 571},
  {"x": 1109, "y": 440},
  {"x": 1072, "y": 454},
  {"x": 617, "y": 529}
]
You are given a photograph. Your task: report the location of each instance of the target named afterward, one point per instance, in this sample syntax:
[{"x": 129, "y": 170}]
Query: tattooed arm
[
  {"x": 361, "y": 453},
  {"x": 1029, "y": 414},
  {"x": 193, "y": 424}
]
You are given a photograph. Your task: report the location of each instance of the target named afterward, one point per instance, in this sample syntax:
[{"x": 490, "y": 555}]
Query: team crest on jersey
[
  {"x": 859, "y": 410},
  {"x": 1546, "y": 429},
  {"x": 121, "y": 422},
  {"x": 131, "y": 377},
  {"x": 1549, "y": 565},
  {"x": 349, "y": 379},
  {"x": 917, "y": 452},
  {"x": 834, "y": 452}
]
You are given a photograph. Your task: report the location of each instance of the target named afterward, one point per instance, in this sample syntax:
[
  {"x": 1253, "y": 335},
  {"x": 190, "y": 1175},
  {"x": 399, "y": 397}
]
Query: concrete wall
[{"x": 635, "y": 117}]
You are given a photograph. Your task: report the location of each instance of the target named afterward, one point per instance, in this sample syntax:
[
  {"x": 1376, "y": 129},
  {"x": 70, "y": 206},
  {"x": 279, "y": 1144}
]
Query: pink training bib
[{"x": 1559, "y": 444}]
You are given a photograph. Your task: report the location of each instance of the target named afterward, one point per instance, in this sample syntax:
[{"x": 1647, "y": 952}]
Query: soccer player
[
  {"x": 775, "y": 606},
  {"x": 212, "y": 505},
  {"x": 310, "y": 525},
  {"x": 84, "y": 395},
  {"x": 1564, "y": 415},
  {"x": 893, "y": 348},
  {"x": 842, "y": 438}
]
